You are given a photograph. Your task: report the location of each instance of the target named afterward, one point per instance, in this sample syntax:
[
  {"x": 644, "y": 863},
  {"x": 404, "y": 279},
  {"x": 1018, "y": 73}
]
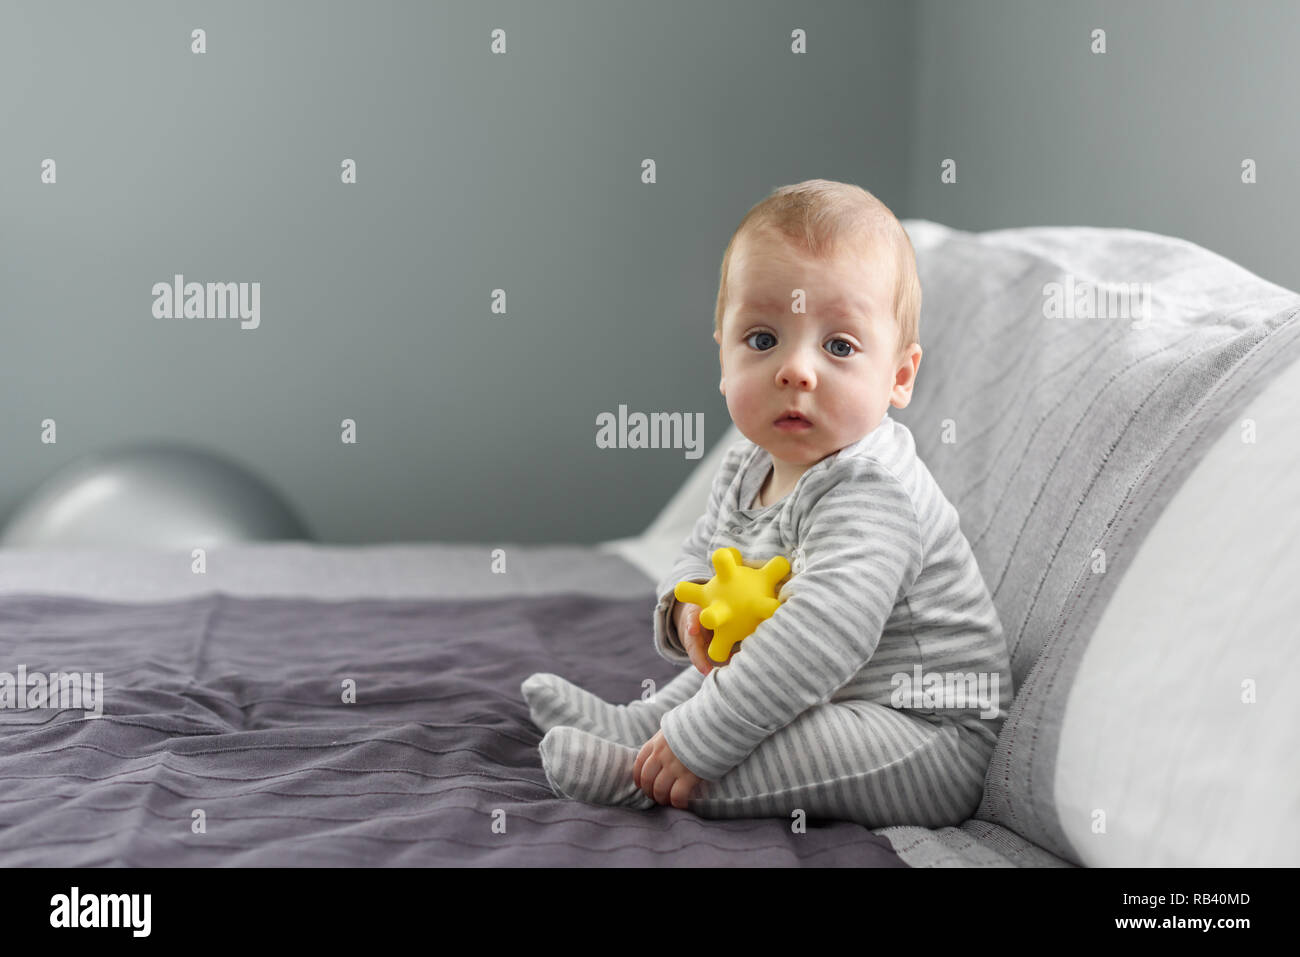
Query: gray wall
[
  {"x": 522, "y": 172},
  {"x": 1149, "y": 135},
  {"x": 519, "y": 171}
]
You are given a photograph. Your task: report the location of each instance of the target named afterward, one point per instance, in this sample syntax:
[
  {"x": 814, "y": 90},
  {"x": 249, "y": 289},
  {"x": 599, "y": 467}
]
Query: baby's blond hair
[{"x": 826, "y": 218}]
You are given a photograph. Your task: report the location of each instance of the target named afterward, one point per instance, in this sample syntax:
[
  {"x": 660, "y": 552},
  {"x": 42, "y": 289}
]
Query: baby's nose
[
  {"x": 796, "y": 375},
  {"x": 797, "y": 365}
]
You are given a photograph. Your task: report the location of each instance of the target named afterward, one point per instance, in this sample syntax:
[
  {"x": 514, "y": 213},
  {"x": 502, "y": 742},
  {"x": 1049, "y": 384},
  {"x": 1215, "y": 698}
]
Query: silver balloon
[{"x": 166, "y": 496}]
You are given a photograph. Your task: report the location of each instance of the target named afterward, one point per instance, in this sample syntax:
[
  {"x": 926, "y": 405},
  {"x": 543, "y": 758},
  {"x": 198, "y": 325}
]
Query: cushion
[
  {"x": 1159, "y": 730},
  {"x": 1061, "y": 438}
]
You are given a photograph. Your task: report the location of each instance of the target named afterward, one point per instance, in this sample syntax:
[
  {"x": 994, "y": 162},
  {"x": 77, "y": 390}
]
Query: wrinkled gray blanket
[{"x": 225, "y": 739}]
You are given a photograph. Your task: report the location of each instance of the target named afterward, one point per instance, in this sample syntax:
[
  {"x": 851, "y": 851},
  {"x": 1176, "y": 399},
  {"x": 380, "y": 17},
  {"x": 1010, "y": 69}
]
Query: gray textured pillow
[{"x": 1060, "y": 425}]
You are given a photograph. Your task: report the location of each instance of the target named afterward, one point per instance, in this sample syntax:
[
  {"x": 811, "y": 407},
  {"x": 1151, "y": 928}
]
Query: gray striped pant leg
[
  {"x": 680, "y": 688},
  {"x": 554, "y": 702},
  {"x": 856, "y": 761}
]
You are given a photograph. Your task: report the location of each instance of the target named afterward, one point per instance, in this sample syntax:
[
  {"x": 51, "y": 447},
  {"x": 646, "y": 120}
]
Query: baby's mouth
[{"x": 792, "y": 421}]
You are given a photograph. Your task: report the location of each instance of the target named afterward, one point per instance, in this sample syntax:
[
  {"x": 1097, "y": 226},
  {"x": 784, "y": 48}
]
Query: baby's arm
[
  {"x": 693, "y": 561},
  {"x": 862, "y": 549}
]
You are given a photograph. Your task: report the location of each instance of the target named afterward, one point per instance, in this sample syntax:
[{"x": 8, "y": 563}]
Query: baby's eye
[
  {"x": 762, "y": 333},
  {"x": 842, "y": 355}
]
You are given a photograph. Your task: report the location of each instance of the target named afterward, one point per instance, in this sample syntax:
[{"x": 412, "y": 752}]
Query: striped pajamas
[
  {"x": 852, "y": 761},
  {"x": 811, "y": 713}
]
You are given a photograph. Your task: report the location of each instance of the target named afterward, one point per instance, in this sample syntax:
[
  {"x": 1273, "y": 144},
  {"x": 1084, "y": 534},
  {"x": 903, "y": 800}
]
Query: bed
[
  {"x": 310, "y": 705},
  {"x": 224, "y": 704}
]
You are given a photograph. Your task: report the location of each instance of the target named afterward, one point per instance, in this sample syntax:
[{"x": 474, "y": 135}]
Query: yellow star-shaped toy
[{"x": 736, "y": 600}]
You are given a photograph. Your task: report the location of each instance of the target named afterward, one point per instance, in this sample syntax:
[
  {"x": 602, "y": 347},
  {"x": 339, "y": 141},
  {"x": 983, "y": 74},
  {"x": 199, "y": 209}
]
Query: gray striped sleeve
[
  {"x": 693, "y": 562},
  {"x": 863, "y": 549}
]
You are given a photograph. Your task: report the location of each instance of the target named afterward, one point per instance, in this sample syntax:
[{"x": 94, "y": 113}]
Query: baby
[{"x": 876, "y": 691}]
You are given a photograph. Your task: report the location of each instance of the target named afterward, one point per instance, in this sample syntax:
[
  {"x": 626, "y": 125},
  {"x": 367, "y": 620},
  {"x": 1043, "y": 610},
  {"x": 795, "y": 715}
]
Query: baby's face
[{"x": 833, "y": 363}]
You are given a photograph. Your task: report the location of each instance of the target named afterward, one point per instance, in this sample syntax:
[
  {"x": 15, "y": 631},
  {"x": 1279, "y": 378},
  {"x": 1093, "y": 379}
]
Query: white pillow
[{"x": 1155, "y": 734}]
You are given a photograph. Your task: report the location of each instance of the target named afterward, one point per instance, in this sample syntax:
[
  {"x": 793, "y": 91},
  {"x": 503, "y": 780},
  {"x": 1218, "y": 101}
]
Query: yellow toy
[{"x": 736, "y": 600}]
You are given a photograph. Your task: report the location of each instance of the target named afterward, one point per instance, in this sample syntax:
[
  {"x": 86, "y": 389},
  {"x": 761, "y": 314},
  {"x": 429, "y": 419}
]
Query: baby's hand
[
  {"x": 695, "y": 637},
  {"x": 659, "y": 774}
]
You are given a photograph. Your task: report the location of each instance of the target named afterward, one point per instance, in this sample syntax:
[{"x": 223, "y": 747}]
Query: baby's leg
[
  {"x": 553, "y": 701},
  {"x": 856, "y": 761}
]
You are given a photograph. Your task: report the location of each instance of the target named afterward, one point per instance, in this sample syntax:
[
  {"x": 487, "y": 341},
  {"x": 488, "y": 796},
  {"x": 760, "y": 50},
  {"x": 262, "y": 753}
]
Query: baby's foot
[
  {"x": 584, "y": 767},
  {"x": 554, "y": 702}
]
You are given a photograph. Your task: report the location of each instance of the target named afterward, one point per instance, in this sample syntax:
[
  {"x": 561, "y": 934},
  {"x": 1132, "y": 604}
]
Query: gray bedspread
[{"x": 225, "y": 739}]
